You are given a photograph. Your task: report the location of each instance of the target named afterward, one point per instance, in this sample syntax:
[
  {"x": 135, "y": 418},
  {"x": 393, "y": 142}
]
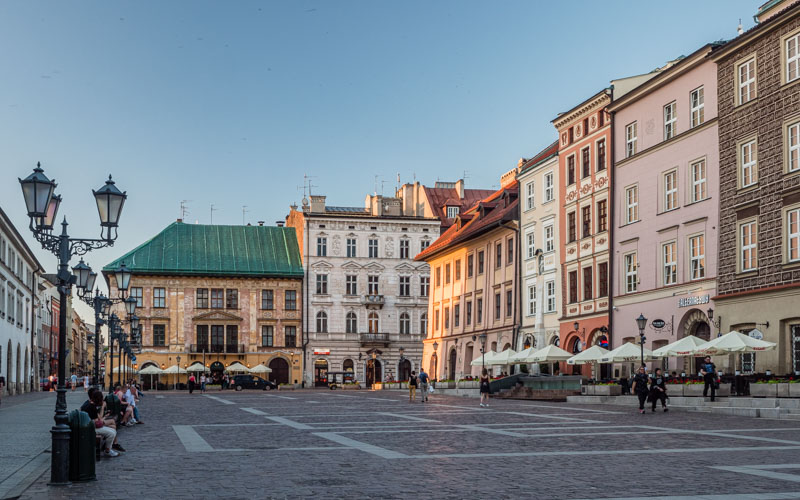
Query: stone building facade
[
  {"x": 366, "y": 298},
  {"x": 759, "y": 124},
  {"x": 217, "y": 294}
]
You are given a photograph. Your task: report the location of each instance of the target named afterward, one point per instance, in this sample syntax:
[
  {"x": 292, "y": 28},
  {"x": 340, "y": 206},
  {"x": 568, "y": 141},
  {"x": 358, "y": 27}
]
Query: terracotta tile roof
[
  {"x": 440, "y": 197},
  {"x": 498, "y": 208},
  {"x": 544, "y": 154}
]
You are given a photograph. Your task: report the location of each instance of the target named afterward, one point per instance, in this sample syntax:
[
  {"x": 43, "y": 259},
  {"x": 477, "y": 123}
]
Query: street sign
[
  {"x": 756, "y": 334},
  {"x": 658, "y": 323}
]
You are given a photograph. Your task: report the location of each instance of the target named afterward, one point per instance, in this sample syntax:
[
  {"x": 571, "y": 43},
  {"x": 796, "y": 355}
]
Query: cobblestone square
[{"x": 332, "y": 444}]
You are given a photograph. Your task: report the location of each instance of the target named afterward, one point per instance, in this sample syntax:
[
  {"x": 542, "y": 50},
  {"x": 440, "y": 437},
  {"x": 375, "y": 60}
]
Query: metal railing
[
  {"x": 374, "y": 337},
  {"x": 217, "y": 348}
]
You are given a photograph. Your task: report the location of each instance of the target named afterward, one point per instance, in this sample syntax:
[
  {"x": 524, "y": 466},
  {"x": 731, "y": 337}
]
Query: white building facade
[
  {"x": 365, "y": 298},
  {"x": 541, "y": 273},
  {"x": 19, "y": 272}
]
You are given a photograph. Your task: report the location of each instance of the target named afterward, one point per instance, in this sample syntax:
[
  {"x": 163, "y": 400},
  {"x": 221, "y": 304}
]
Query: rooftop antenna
[
  {"x": 740, "y": 29},
  {"x": 212, "y": 213},
  {"x": 184, "y": 208},
  {"x": 376, "y": 184},
  {"x": 465, "y": 176},
  {"x": 382, "y": 183},
  {"x": 244, "y": 211},
  {"x": 398, "y": 181}
]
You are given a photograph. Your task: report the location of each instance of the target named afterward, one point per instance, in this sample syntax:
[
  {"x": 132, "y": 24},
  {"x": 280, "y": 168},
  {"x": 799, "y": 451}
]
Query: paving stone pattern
[{"x": 331, "y": 444}]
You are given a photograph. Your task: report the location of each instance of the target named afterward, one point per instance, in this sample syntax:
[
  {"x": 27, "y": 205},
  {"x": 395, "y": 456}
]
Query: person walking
[
  {"x": 640, "y": 387},
  {"x": 484, "y": 387},
  {"x": 191, "y": 383},
  {"x": 412, "y": 387},
  {"x": 423, "y": 384},
  {"x": 73, "y": 380},
  {"x": 709, "y": 373},
  {"x": 203, "y": 382},
  {"x": 658, "y": 390},
  {"x": 85, "y": 383}
]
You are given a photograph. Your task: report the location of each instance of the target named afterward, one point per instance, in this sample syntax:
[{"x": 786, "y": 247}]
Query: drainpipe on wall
[
  {"x": 612, "y": 223},
  {"x": 34, "y": 352}
]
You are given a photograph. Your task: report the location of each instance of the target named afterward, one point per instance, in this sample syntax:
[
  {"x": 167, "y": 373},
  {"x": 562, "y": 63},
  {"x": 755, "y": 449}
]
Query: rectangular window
[
  {"x": 322, "y": 246},
  {"x": 746, "y": 80},
  {"x": 405, "y": 286},
  {"x": 530, "y": 246},
  {"x": 669, "y": 260},
  {"x": 529, "y": 195},
  {"x": 697, "y": 102},
  {"x": 602, "y": 216},
  {"x": 438, "y": 277},
  {"x": 373, "y": 248},
  {"x": 267, "y": 299},
  {"x": 510, "y": 251},
  {"x": 572, "y": 232},
  {"x": 458, "y": 269},
  {"x": 480, "y": 262},
  {"x": 136, "y": 293},
  {"x": 470, "y": 264},
  {"x": 159, "y": 297},
  {"x": 469, "y": 313},
  {"x": 452, "y": 212},
  {"x": 573, "y": 287},
  {"x": 587, "y": 283},
  {"x": 291, "y": 300},
  {"x": 447, "y": 274},
  {"x": 793, "y": 235},
  {"x": 631, "y": 204},
  {"x": 424, "y": 286},
  {"x": 549, "y": 188},
  {"x": 793, "y": 58},
  {"x": 479, "y": 311},
  {"x": 232, "y": 338},
  {"x": 159, "y": 335},
  {"x": 498, "y": 306},
  {"x": 601, "y": 155},
  {"x": 631, "y": 273},
  {"x": 586, "y": 167},
  {"x": 531, "y": 300},
  {"x": 267, "y": 336},
  {"x": 351, "y": 284},
  {"x": 201, "y": 300},
  {"x": 232, "y": 299},
  {"x": 697, "y": 257},
  {"x": 509, "y": 303},
  {"x": 670, "y": 190},
  {"x": 602, "y": 279},
  {"x": 351, "y": 247},
  {"x": 436, "y": 320},
  {"x": 793, "y": 147},
  {"x": 217, "y": 338},
  {"x": 748, "y": 160},
  {"x": 322, "y": 284},
  {"x": 586, "y": 221},
  {"x": 405, "y": 246},
  {"x": 748, "y": 237},
  {"x": 456, "y": 315},
  {"x": 699, "y": 189},
  {"x": 630, "y": 140},
  {"x": 670, "y": 121},
  {"x": 217, "y": 298},
  {"x": 202, "y": 338},
  {"x": 550, "y": 296},
  {"x": 571, "y": 170},
  {"x": 372, "y": 285},
  {"x": 290, "y": 334},
  {"x": 423, "y": 244},
  {"x": 446, "y": 318},
  {"x": 498, "y": 261}
]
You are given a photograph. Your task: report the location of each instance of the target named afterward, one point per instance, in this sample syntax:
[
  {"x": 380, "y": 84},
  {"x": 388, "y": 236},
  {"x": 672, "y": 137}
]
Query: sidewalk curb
[{"x": 25, "y": 476}]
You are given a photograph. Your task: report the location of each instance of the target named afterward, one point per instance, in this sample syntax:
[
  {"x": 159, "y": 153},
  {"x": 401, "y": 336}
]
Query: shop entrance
[
  {"x": 702, "y": 331},
  {"x": 320, "y": 373},
  {"x": 451, "y": 368},
  {"x": 374, "y": 372},
  {"x": 280, "y": 371}
]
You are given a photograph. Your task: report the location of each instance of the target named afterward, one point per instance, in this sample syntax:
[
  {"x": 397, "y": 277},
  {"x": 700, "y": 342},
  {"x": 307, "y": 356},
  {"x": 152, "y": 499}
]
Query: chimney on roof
[
  {"x": 261, "y": 223},
  {"x": 460, "y": 188},
  {"x": 317, "y": 203},
  {"x": 180, "y": 220},
  {"x": 279, "y": 223},
  {"x": 740, "y": 29}
]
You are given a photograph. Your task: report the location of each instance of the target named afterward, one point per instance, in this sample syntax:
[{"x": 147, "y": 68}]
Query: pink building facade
[{"x": 666, "y": 196}]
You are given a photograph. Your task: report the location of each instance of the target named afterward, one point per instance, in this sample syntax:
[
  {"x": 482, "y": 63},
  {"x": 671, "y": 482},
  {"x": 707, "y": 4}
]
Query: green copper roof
[{"x": 194, "y": 249}]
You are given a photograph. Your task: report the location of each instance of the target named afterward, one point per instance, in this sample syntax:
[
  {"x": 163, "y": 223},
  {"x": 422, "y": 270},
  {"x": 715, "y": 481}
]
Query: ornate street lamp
[
  {"x": 81, "y": 272},
  {"x": 123, "y": 277},
  {"x": 42, "y": 207},
  {"x": 130, "y": 306},
  {"x": 482, "y": 336},
  {"x": 641, "y": 322}
]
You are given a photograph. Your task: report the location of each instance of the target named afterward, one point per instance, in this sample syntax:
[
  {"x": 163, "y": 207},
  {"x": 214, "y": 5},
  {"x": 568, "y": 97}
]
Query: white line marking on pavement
[
  {"x": 726, "y": 435},
  {"x": 491, "y": 430},
  {"x": 782, "y": 476},
  {"x": 774, "y": 466},
  {"x": 224, "y": 401},
  {"x": 358, "y": 445},
  {"x": 282, "y": 397},
  {"x": 407, "y": 417},
  {"x": 787, "y": 495},
  {"x": 545, "y": 415},
  {"x": 312, "y": 401},
  {"x": 290, "y": 423},
  {"x": 253, "y": 411},
  {"x": 231, "y": 425},
  {"x": 159, "y": 397},
  {"x": 191, "y": 440},
  {"x": 604, "y": 452}
]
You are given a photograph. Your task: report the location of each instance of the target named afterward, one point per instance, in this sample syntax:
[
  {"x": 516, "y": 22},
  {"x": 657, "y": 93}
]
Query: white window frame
[
  {"x": 748, "y": 245},
  {"x": 697, "y": 260},
  {"x": 697, "y": 171},
  {"x": 530, "y": 195},
  {"x": 630, "y": 139},
  {"x": 452, "y": 212},
  {"x": 793, "y": 146},
  {"x": 352, "y": 248},
  {"x": 670, "y": 190},
  {"x": 373, "y": 243},
  {"x": 697, "y": 105},
  {"x": 747, "y": 85},
  {"x": 550, "y": 296},
  {"x": 669, "y": 263},
  {"x": 549, "y": 238},
  {"x": 549, "y": 187},
  {"x": 670, "y": 120},
  {"x": 792, "y": 76},
  {"x": 531, "y": 300},
  {"x": 631, "y": 269},
  {"x": 631, "y": 204},
  {"x": 530, "y": 243},
  {"x": 748, "y": 163},
  {"x": 793, "y": 235}
]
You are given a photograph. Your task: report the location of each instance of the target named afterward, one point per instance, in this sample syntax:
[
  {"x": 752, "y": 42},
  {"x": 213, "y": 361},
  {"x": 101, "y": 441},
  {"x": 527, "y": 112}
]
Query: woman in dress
[{"x": 484, "y": 385}]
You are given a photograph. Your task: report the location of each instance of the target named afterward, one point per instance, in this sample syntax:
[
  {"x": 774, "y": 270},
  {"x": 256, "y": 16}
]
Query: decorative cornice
[{"x": 597, "y": 100}]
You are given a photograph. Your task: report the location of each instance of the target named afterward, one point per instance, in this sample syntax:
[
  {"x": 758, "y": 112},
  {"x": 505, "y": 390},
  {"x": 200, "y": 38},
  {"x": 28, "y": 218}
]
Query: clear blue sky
[{"x": 232, "y": 102}]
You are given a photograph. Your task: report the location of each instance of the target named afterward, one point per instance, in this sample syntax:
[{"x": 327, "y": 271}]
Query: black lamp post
[
  {"x": 483, "y": 352},
  {"x": 42, "y": 206},
  {"x": 641, "y": 322}
]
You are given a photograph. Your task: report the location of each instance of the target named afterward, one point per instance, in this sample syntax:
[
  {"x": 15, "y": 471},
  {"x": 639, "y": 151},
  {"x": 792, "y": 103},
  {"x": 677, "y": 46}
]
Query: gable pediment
[
  {"x": 322, "y": 266},
  {"x": 217, "y": 316},
  {"x": 405, "y": 266},
  {"x": 374, "y": 266},
  {"x": 351, "y": 265}
]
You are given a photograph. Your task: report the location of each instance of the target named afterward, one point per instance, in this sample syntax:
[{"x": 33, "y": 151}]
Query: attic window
[
  {"x": 452, "y": 212},
  {"x": 373, "y": 227},
  {"x": 425, "y": 230},
  {"x": 404, "y": 229},
  {"x": 322, "y": 226},
  {"x": 351, "y": 227}
]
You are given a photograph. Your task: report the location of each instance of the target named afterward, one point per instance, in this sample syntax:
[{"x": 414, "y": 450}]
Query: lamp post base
[{"x": 59, "y": 460}]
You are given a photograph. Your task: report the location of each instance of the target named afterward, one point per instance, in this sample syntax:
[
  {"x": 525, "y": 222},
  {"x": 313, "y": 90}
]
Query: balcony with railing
[
  {"x": 217, "y": 348},
  {"x": 374, "y": 338},
  {"x": 376, "y": 301}
]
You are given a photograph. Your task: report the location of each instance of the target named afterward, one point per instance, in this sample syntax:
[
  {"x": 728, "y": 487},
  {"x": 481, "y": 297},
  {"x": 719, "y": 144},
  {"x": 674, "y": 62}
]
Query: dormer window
[{"x": 452, "y": 212}]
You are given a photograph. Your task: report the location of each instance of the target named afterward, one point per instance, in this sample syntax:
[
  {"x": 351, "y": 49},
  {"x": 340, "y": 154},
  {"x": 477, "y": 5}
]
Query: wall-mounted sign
[
  {"x": 693, "y": 301},
  {"x": 658, "y": 323},
  {"x": 322, "y": 351},
  {"x": 756, "y": 334}
]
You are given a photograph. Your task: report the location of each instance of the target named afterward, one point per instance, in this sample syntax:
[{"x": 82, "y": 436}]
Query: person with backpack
[
  {"x": 658, "y": 390},
  {"x": 640, "y": 387},
  {"x": 412, "y": 387},
  {"x": 423, "y": 384}
]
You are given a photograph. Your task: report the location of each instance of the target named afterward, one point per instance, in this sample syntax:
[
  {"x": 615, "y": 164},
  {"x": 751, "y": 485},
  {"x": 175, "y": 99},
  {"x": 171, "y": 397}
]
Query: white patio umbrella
[
  {"x": 483, "y": 359},
  {"x": 627, "y": 352},
  {"x": 260, "y": 368},
  {"x": 547, "y": 354},
  {"x": 174, "y": 370},
  {"x": 502, "y": 358},
  {"x": 734, "y": 342},
  {"x": 150, "y": 370},
  {"x": 590, "y": 355},
  {"x": 197, "y": 366},
  {"x": 125, "y": 370},
  {"x": 680, "y": 348},
  {"x": 519, "y": 357},
  {"x": 237, "y": 367}
]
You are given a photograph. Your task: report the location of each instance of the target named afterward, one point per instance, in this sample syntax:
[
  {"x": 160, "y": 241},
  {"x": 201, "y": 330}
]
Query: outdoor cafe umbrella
[
  {"x": 260, "y": 368},
  {"x": 520, "y": 357},
  {"x": 590, "y": 355},
  {"x": 547, "y": 354},
  {"x": 627, "y": 352},
  {"x": 681, "y": 348},
  {"x": 150, "y": 370},
  {"x": 733, "y": 342},
  {"x": 197, "y": 366},
  {"x": 237, "y": 367},
  {"x": 125, "y": 370},
  {"x": 502, "y": 358},
  {"x": 174, "y": 369},
  {"x": 483, "y": 358}
]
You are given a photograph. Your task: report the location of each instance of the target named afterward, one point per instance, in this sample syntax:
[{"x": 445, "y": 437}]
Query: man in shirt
[
  {"x": 73, "y": 381},
  {"x": 130, "y": 398},
  {"x": 107, "y": 434},
  {"x": 423, "y": 384},
  {"x": 709, "y": 373}
]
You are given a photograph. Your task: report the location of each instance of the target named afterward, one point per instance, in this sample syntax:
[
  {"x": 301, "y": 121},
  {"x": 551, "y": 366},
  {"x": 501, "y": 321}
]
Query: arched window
[
  {"x": 351, "y": 323},
  {"x": 322, "y": 322},
  {"x": 405, "y": 323},
  {"x": 373, "y": 322},
  {"x": 423, "y": 324}
]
